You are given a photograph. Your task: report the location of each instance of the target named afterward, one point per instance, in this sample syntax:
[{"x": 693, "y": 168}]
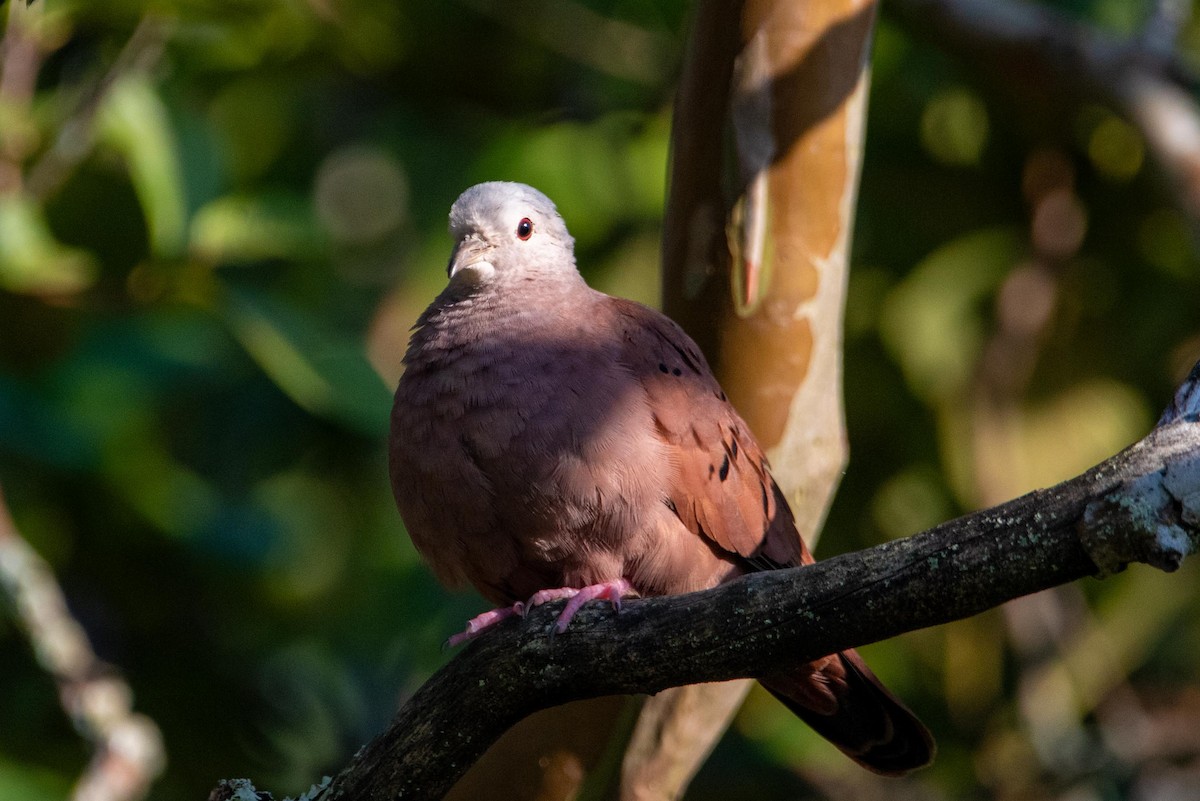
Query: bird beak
[{"x": 470, "y": 253}]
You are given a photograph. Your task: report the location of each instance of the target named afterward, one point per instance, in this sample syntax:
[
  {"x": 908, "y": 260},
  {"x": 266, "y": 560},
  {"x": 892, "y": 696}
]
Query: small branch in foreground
[{"x": 128, "y": 753}]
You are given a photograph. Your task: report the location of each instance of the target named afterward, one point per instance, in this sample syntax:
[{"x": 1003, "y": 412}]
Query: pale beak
[{"x": 469, "y": 254}]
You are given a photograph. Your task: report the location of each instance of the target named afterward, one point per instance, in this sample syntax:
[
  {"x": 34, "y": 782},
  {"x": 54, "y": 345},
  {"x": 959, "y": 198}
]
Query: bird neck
[
  {"x": 533, "y": 284},
  {"x": 512, "y": 306}
]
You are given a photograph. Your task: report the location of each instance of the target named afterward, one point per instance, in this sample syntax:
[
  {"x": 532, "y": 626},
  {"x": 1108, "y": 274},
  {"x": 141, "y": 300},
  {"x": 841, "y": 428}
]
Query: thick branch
[{"x": 1138, "y": 506}]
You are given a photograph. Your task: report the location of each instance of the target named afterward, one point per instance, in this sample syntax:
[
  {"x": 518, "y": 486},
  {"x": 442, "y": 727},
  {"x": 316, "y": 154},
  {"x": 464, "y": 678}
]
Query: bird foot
[
  {"x": 611, "y": 591},
  {"x": 481, "y": 623}
]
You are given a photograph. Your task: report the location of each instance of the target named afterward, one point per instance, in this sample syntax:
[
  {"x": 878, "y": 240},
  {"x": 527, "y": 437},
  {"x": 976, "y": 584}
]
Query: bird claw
[
  {"x": 546, "y": 596},
  {"x": 481, "y": 623},
  {"x": 611, "y": 591}
]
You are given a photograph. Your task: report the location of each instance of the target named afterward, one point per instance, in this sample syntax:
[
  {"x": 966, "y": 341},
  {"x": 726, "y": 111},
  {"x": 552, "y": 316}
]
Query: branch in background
[
  {"x": 658, "y": 763},
  {"x": 675, "y": 732},
  {"x": 755, "y": 269},
  {"x": 20, "y": 60},
  {"x": 1164, "y": 26},
  {"x": 608, "y": 45},
  {"x": 73, "y": 141},
  {"x": 128, "y": 750},
  {"x": 1030, "y": 48},
  {"x": 1142, "y": 505}
]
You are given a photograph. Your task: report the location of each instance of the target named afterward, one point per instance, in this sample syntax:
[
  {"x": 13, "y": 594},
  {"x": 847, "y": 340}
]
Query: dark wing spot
[
  {"x": 662, "y": 367},
  {"x": 733, "y": 449},
  {"x": 712, "y": 468},
  {"x": 677, "y": 371},
  {"x": 687, "y": 357},
  {"x": 671, "y": 505},
  {"x": 724, "y": 472}
]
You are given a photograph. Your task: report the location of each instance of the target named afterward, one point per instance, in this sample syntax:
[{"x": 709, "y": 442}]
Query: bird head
[{"x": 504, "y": 231}]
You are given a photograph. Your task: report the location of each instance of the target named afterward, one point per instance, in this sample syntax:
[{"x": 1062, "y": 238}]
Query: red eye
[{"x": 525, "y": 228}]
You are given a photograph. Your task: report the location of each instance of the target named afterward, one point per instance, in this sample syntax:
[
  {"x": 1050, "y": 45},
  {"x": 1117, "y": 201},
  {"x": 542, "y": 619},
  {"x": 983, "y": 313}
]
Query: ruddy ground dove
[{"x": 552, "y": 441}]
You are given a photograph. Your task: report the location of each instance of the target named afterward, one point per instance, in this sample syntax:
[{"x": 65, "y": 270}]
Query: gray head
[{"x": 507, "y": 230}]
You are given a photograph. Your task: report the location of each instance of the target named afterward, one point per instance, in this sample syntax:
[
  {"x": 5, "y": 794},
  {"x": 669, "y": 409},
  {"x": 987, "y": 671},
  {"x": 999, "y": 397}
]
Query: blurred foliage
[{"x": 218, "y": 220}]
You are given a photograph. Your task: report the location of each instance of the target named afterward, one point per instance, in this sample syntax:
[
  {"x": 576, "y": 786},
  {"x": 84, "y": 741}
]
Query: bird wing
[{"x": 722, "y": 488}]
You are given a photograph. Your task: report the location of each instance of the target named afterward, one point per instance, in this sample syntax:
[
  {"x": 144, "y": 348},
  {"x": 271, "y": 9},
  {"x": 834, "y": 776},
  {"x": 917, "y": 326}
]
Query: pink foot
[
  {"x": 481, "y": 623},
  {"x": 610, "y": 591},
  {"x": 546, "y": 596}
]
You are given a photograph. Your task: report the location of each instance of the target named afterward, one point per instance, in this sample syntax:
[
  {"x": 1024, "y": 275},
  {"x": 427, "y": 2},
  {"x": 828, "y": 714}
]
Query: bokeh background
[{"x": 218, "y": 221}]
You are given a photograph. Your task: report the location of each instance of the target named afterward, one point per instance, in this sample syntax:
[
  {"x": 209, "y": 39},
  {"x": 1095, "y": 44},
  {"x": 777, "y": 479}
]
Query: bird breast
[{"x": 519, "y": 443}]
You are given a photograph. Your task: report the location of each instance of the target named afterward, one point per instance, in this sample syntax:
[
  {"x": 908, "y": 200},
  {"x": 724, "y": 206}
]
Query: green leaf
[
  {"x": 238, "y": 228},
  {"x": 30, "y": 783},
  {"x": 326, "y": 374},
  {"x": 31, "y": 260},
  {"x": 933, "y": 323},
  {"x": 134, "y": 122}
]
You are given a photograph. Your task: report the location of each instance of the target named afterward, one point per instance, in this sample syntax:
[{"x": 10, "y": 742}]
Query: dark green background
[{"x": 195, "y": 317}]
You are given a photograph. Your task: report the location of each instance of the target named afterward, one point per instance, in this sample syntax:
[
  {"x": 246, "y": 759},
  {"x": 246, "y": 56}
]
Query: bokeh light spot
[
  {"x": 954, "y": 127},
  {"x": 1116, "y": 149},
  {"x": 1165, "y": 241},
  {"x": 361, "y": 194}
]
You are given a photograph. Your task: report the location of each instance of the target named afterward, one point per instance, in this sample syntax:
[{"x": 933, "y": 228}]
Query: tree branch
[
  {"x": 789, "y": 80},
  {"x": 1141, "y": 505},
  {"x": 128, "y": 752},
  {"x": 73, "y": 136},
  {"x": 1038, "y": 52},
  {"x": 20, "y": 60}
]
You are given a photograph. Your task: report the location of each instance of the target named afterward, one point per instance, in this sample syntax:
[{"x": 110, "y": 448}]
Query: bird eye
[{"x": 525, "y": 228}]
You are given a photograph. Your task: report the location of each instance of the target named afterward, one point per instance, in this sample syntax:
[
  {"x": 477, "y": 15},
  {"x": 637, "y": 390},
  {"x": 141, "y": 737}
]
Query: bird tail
[{"x": 840, "y": 698}]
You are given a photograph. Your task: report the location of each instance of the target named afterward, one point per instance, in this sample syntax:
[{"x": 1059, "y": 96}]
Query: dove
[{"x": 550, "y": 441}]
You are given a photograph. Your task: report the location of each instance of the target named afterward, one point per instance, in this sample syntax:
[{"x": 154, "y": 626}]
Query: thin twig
[
  {"x": 20, "y": 60},
  {"x": 73, "y": 140},
  {"x": 128, "y": 750}
]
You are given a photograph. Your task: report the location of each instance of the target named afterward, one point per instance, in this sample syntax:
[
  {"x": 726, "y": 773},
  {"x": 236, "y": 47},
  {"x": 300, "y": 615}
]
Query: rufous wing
[{"x": 723, "y": 490}]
